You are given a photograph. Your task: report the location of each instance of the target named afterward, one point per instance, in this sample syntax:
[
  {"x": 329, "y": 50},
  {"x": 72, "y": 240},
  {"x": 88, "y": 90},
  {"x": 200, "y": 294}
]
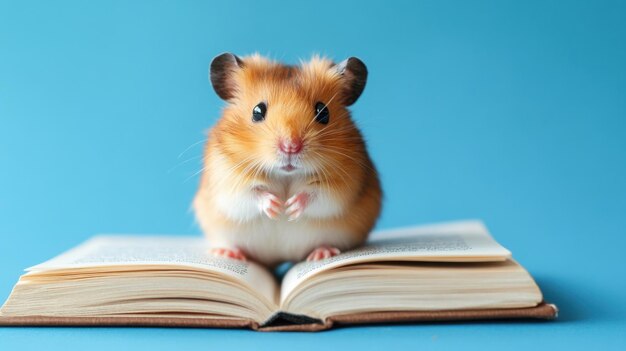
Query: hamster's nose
[{"x": 290, "y": 146}]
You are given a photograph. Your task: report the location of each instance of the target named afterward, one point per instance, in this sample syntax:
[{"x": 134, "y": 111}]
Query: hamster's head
[{"x": 288, "y": 119}]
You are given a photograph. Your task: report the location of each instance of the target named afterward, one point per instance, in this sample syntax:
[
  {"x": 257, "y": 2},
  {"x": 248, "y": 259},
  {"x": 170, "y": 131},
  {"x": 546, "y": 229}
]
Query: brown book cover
[{"x": 543, "y": 311}]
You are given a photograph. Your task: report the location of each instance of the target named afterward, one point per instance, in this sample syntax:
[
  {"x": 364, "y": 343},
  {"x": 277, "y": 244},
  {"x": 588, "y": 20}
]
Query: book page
[
  {"x": 467, "y": 241},
  {"x": 181, "y": 251}
]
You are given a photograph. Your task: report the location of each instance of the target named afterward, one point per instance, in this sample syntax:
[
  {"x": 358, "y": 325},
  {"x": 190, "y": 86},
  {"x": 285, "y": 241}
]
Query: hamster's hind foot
[
  {"x": 235, "y": 253},
  {"x": 323, "y": 252}
]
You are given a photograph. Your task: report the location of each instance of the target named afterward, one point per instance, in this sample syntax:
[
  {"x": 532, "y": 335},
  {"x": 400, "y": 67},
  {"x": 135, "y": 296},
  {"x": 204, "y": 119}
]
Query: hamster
[{"x": 286, "y": 175}]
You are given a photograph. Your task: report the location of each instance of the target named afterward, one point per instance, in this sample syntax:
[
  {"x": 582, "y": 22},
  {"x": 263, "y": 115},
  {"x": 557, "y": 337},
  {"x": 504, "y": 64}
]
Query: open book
[{"x": 438, "y": 272}]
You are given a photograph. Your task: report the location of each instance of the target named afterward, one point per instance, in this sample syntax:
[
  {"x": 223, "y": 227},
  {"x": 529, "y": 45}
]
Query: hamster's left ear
[
  {"x": 354, "y": 74},
  {"x": 221, "y": 74}
]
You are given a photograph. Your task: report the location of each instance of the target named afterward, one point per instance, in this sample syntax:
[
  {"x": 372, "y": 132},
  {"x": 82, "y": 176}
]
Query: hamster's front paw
[
  {"x": 270, "y": 204},
  {"x": 235, "y": 253},
  {"x": 296, "y": 205},
  {"x": 323, "y": 252}
]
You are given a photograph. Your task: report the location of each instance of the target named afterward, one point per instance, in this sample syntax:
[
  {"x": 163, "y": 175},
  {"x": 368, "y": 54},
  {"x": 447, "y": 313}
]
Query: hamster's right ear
[
  {"x": 354, "y": 72},
  {"x": 221, "y": 74}
]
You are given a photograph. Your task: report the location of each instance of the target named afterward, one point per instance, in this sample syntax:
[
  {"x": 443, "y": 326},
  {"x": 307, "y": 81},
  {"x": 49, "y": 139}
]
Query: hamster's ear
[
  {"x": 354, "y": 74},
  {"x": 221, "y": 74}
]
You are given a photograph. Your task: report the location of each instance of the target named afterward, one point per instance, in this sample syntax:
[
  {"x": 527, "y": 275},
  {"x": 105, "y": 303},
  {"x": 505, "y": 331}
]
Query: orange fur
[{"x": 241, "y": 155}]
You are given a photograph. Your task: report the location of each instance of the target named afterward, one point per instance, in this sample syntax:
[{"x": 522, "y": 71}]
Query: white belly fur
[{"x": 272, "y": 241}]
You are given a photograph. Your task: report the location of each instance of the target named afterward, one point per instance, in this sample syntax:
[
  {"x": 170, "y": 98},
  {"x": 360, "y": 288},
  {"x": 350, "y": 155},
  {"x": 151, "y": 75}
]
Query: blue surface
[{"x": 510, "y": 111}]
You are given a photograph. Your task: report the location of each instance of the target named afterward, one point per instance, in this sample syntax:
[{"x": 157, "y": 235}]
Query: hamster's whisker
[
  {"x": 347, "y": 129},
  {"x": 268, "y": 166},
  {"x": 239, "y": 164},
  {"x": 232, "y": 169},
  {"x": 321, "y": 171},
  {"x": 323, "y": 167},
  {"x": 243, "y": 176},
  {"x": 257, "y": 169},
  {"x": 341, "y": 138},
  {"x": 355, "y": 160},
  {"x": 336, "y": 130},
  {"x": 335, "y": 165},
  {"x": 190, "y": 146},
  {"x": 195, "y": 174},
  {"x": 238, "y": 175},
  {"x": 183, "y": 162},
  {"x": 252, "y": 171},
  {"x": 340, "y": 151}
]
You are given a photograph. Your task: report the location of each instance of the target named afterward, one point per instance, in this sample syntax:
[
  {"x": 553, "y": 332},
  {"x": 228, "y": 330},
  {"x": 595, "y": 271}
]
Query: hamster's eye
[
  {"x": 322, "y": 114},
  {"x": 258, "y": 112}
]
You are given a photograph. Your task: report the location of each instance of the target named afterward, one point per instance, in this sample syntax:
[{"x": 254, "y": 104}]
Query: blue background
[{"x": 509, "y": 111}]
